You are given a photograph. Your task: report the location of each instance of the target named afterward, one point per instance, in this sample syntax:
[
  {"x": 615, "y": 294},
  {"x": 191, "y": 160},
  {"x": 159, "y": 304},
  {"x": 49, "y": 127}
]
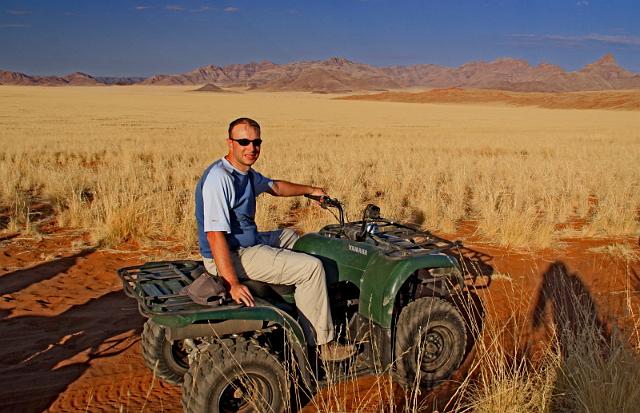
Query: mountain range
[{"x": 341, "y": 75}]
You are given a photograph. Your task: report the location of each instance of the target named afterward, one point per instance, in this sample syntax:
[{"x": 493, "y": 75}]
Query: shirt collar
[{"x": 228, "y": 165}]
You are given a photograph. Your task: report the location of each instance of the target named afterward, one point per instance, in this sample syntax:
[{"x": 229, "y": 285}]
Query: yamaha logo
[{"x": 358, "y": 250}]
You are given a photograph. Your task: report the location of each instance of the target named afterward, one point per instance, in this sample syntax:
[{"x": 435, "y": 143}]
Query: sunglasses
[{"x": 246, "y": 142}]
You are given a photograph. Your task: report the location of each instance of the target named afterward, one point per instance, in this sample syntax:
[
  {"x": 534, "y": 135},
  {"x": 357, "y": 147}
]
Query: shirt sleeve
[
  {"x": 217, "y": 198},
  {"x": 261, "y": 183}
]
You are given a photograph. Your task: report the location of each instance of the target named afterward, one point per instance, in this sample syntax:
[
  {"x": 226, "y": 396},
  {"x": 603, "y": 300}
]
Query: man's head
[{"x": 244, "y": 143}]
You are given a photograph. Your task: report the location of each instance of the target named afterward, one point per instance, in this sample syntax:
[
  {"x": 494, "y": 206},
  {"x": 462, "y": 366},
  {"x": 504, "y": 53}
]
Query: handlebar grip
[{"x": 319, "y": 198}]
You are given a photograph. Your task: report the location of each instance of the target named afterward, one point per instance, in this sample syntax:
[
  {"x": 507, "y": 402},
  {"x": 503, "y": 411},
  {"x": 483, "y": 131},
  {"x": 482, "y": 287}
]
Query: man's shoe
[{"x": 333, "y": 351}]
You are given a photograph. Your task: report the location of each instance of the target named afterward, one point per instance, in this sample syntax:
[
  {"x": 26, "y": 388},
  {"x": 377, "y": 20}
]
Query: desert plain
[{"x": 97, "y": 178}]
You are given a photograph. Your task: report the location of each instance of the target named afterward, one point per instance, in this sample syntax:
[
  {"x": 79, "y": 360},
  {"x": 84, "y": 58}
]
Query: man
[{"x": 232, "y": 247}]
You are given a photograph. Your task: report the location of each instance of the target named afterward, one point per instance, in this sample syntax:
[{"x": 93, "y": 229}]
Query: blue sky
[{"x": 140, "y": 38}]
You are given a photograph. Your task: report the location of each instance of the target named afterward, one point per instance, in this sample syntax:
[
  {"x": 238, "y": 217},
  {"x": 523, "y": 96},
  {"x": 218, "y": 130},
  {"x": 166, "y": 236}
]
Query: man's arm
[
  {"x": 284, "y": 188},
  {"x": 224, "y": 263}
]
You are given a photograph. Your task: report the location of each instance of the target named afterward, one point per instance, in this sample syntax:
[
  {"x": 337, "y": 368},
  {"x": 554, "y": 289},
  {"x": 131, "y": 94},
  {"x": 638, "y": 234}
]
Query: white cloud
[
  {"x": 627, "y": 40},
  {"x": 581, "y": 3},
  {"x": 143, "y": 7},
  {"x": 173, "y": 7},
  {"x": 18, "y": 12},
  {"x": 232, "y": 9}
]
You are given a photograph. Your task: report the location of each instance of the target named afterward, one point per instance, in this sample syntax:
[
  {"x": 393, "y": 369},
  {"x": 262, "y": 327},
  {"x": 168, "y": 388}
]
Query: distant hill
[
  {"x": 210, "y": 87},
  {"x": 341, "y": 75},
  {"x": 609, "y": 99},
  {"x": 73, "y": 79},
  {"x": 119, "y": 80}
]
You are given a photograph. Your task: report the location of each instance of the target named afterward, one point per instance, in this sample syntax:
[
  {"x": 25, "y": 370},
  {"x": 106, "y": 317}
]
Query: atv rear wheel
[
  {"x": 430, "y": 342},
  {"x": 168, "y": 360},
  {"x": 235, "y": 376}
]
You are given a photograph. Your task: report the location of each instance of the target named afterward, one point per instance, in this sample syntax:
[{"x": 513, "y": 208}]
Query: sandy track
[{"x": 69, "y": 336}]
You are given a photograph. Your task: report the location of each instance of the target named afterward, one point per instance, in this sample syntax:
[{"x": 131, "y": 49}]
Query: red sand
[{"x": 70, "y": 337}]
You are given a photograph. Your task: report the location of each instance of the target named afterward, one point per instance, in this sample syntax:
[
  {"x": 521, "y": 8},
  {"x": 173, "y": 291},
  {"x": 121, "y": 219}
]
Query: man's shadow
[
  {"x": 21, "y": 279},
  {"x": 33, "y": 347},
  {"x": 588, "y": 348},
  {"x": 572, "y": 307}
]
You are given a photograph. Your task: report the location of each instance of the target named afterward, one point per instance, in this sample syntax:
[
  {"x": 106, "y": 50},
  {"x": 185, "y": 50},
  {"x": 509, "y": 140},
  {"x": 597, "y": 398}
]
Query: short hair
[{"x": 244, "y": 121}]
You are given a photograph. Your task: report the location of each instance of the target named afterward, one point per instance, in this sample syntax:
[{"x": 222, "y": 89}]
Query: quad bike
[{"x": 404, "y": 297}]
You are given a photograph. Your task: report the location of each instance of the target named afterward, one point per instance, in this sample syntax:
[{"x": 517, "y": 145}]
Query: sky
[{"x": 142, "y": 38}]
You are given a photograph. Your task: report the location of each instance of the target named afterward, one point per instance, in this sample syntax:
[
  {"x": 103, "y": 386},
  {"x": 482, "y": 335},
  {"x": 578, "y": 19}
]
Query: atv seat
[{"x": 279, "y": 294}]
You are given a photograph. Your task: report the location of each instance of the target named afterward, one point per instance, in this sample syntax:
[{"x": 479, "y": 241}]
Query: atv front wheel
[
  {"x": 430, "y": 342},
  {"x": 168, "y": 360},
  {"x": 235, "y": 376}
]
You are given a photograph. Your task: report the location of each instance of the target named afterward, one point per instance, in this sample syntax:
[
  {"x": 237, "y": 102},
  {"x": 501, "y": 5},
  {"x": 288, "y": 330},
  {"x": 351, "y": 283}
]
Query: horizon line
[{"x": 542, "y": 62}]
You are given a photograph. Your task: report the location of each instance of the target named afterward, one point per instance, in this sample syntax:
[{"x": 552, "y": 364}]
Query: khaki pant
[{"x": 270, "y": 261}]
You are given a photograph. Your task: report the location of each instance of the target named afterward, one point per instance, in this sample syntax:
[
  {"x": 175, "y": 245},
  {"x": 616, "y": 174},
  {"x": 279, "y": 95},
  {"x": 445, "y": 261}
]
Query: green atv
[{"x": 404, "y": 297}]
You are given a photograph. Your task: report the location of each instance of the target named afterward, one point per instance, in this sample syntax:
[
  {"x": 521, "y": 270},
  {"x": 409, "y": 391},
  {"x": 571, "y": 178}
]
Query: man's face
[{"x": 243, "y": 156}]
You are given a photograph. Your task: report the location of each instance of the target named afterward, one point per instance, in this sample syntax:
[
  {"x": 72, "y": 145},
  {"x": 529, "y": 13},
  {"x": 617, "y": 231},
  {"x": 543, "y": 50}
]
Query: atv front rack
[
  {"x": 404, "y": 240},
  {"x": 401, "y": 240},
  {"x": 393, "y": 238}
]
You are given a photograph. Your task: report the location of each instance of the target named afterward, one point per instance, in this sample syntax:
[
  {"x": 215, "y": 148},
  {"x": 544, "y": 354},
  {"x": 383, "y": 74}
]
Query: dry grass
[
  {"x": 581, "y": 363},
  {"x": 122, "y": 162},
  {"x": 618, "y": 251}
]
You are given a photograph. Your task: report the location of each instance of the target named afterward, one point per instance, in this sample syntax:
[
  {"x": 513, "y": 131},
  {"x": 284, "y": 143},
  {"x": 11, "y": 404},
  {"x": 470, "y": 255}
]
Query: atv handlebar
[{"x": 325, "y": 201}]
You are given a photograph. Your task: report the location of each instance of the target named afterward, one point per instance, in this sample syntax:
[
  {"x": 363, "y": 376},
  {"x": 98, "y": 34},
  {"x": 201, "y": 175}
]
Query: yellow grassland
[{"x": 122, "y": 162}]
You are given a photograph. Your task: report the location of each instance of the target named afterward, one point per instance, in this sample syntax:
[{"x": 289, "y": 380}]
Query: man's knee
[{"x": 313, "y": 266}]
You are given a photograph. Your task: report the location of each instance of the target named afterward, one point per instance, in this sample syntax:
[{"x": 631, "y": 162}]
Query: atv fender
[
  {"x": 236, "y": 319},
  {"x": 383, "y": 278},
  {"x": 378, "y": 275}
]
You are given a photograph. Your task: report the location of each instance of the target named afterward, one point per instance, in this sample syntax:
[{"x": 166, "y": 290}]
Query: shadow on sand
[
  {"x": 597, "y": 368},
  {"x": 571, "y": 305},
  {"x": 37, "y": 352},
  {"x": 21, "y": 279},
  {"x": 33, "y": 347},
  {"x": 563, "y": 304}
]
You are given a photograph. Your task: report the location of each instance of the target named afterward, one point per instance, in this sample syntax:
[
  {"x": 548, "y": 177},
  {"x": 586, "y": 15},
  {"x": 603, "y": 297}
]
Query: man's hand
[
  {"x": 224, "y": 262},
  {"x": 241, "y": 295},
  {"x": 318, "y": 192}
]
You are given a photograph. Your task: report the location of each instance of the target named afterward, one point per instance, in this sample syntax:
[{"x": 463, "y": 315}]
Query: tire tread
[
  {"x": 206, "y": 371},
  {"x": 152, "y": 343},
  {"x": 414, "y": 316}
]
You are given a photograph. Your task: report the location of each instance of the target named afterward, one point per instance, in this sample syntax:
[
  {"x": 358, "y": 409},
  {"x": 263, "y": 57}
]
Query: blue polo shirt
[{"x": 226, "y": 202}]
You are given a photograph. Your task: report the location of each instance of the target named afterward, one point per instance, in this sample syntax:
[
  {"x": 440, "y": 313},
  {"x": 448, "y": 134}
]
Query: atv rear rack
[{"x": 157, "y": 286}]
